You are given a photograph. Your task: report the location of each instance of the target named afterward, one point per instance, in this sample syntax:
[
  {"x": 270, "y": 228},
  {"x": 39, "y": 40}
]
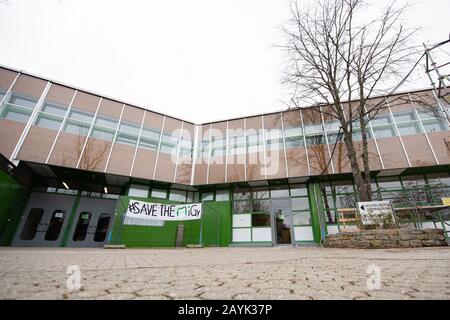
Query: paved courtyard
[{"x": 225, "y": 273}]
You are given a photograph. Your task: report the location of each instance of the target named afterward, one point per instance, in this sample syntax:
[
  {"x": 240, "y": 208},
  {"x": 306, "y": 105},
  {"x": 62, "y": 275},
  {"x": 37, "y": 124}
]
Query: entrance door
[
  {"x": 92, "y": 222},
  {"x": 44, "y": 220},
  {"x": 282, "y": 221}
]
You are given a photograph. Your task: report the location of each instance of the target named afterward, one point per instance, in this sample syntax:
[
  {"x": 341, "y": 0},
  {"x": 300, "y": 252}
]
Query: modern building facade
[{"x": 72, "y": 159}]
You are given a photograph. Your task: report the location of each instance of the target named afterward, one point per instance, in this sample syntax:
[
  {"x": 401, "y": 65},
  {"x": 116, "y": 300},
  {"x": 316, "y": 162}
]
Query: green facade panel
[
  {"x": 13, "y": 197},
  {"x": 214, "y": 229}
]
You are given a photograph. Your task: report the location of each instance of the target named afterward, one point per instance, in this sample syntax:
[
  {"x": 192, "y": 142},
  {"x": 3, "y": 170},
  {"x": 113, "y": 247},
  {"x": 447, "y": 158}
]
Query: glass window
[
  {"x": 207, "y": 196},
  {"x": 82, "y": 226},
  {"x": 151, "y": 133},
  {"x": 408, "y": 128},
  {"x": 54, "y": 109},
  {"x": 241, "y": 195},
  {"x": 102, "y": 134},
  {"x": 129, "y": 127},
  {"x": 127, "y": 139},
  {"x": 260, "y": 220},
  {"x": 26, "y": 102},
  {"x": 275, "y": 144},
  {"x": 177, "y": 195},
  {"x": 81, "y": 115},
  {"x": 381, "y": 119},
  {"x": 389, "y": 184},
  {"x": 148, "y": 144},
  {"x": 434, "y": 125},
  {"x": 332, "y": 137},
  {"x": 16, "y": 114},
  {"x": 384, "y": 132},
  {"x": 48, "y": 121},
  {"x": 102, "y": 227},
  {"x": 168, "y": 148},
  {"x": 297, "y": 191},
  {"x": 77, "y": 128},
  {"x": 31, "y": 224},
  {"x": 293, "y": 132},
  {"x": 106, "y": 122},
  {"x": 242, "y": 207},
  {"x": 138, "y": 191},
  {"x": 280, "y": 193},
  {"x": 302, "y": 218},
  {"x": 313, "y": 129},
  {"x": 222, "y": 195},
  {"x": 315, "y": 140},
  {"x": 55, "y": 225},
  {"x": 159, "y": 193},
  {"x": 190, "y": 196},
  {"x": 404, "y": 116},
  {"x": 294, "y": 142},
  {"x": 2, "y": 95},
  {"x": 300, "y": 203}
]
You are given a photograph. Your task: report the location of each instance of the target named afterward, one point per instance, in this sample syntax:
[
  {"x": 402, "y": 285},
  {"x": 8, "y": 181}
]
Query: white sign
[
  {"x": 375, "y": 212},
  {"x": 167, "y": 212}
]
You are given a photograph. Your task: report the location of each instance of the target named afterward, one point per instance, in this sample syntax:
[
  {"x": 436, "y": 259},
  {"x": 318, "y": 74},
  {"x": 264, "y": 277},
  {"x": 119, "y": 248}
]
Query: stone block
[
  {"x": 404, "y": 244},
  {"x": 382, "y": 237},
  {"x": 376, "y": 243},
  {"x": 390, "y": 244},
  {"x": 416, "y": 243}
]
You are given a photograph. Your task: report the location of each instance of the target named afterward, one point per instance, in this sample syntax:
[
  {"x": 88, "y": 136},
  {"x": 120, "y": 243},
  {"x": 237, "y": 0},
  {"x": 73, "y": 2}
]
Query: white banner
[{"x": 167, "y": 212}]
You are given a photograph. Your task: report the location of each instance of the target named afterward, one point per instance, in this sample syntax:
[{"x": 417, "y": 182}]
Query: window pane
[
  {"x": 30, "y": 228},
  {"x": 82, "y": 226},
  {"x": 49, "y": 122},
  {"x": 16, "y": 114},
  {"x": 298, "y": 191},
  {"x": 148, "y": 144},
  {"x": 381, "y": 119},
  {"x": 129, "y": 127},
  {"x": 26, "y": 102},
  {"x": 222, "y": 195},
  {"x": 159, "y": 193},
  {"x": 151, "y": 133},
  {"x": 315, "y": 140},
  {"x": 434, "y": 125},
  {"x": 127, "y": 139},
  {"x": 293, "y": 132},
  {"x": 313, "y": 128},
  {"x": 300, "y": 203},
  {"x": 302, "y": 218},
  {"x": 404, "y": 116},
  {"x": 275, "y": 144},
  {"x": 168, "y": 148},
  {"x": 384, "y": 132},
  {"x": 81, "y": 115},
  {"x": 207, "y": 196},
  {"x": 281, "y": 193},
  {"x": 54, "y": 109},
  {"x": 76, "y": 128},
  {"x": 103, "y": 134},
  {"x": 294, "y": 142},
  {"x": 242, "y": 207},
  {"x": 260, "y": 220},
  {"x": 55, "y": 225},
  {"x": 408, "y": 128},
  {"x": 106, "y": 122},
  {"x": 102, "y": 227},
  {"x": 177, "y": 195}
]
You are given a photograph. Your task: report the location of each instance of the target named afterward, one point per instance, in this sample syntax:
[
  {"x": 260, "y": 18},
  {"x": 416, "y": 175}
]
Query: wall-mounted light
[
  {"x": 65, "y": 185},
  {"x": 105, "y": 189}
]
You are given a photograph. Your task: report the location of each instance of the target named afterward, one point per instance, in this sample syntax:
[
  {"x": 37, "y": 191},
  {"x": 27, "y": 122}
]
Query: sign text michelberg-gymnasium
[{"x": 167, "y": 212}]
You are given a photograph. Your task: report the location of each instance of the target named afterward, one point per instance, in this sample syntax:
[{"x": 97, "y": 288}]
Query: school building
[{"x": 71, "y": 160}]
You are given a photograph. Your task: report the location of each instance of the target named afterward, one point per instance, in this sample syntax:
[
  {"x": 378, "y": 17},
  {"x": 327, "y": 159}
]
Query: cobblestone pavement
[{"x": 225, "y": 273}]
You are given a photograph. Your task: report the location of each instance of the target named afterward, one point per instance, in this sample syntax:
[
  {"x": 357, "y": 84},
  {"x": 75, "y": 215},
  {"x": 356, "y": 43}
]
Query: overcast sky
[{"x": 200, "y": 60}]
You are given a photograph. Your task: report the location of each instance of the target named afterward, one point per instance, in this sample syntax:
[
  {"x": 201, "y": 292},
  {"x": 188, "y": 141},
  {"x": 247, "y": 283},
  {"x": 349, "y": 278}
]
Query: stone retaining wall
[{"x": 387, "y": 238}]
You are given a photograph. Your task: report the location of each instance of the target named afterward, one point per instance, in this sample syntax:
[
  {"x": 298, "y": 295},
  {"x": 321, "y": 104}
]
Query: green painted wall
[
  {"x": 315, "y": 207},
  {"x": 215, "y": 225},
  {"x": 13, "y": 197}
]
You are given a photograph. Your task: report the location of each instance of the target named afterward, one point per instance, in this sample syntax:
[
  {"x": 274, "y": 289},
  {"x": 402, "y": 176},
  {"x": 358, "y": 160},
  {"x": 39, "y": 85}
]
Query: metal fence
[{"x": 135, "y": 232}]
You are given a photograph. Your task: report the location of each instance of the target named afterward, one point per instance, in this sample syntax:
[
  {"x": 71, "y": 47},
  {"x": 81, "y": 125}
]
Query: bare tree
[{"x": 333, "y": 60}]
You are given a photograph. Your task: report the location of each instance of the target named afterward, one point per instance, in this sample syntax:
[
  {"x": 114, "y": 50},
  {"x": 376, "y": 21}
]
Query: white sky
[{"x": 200, "y": 60}]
